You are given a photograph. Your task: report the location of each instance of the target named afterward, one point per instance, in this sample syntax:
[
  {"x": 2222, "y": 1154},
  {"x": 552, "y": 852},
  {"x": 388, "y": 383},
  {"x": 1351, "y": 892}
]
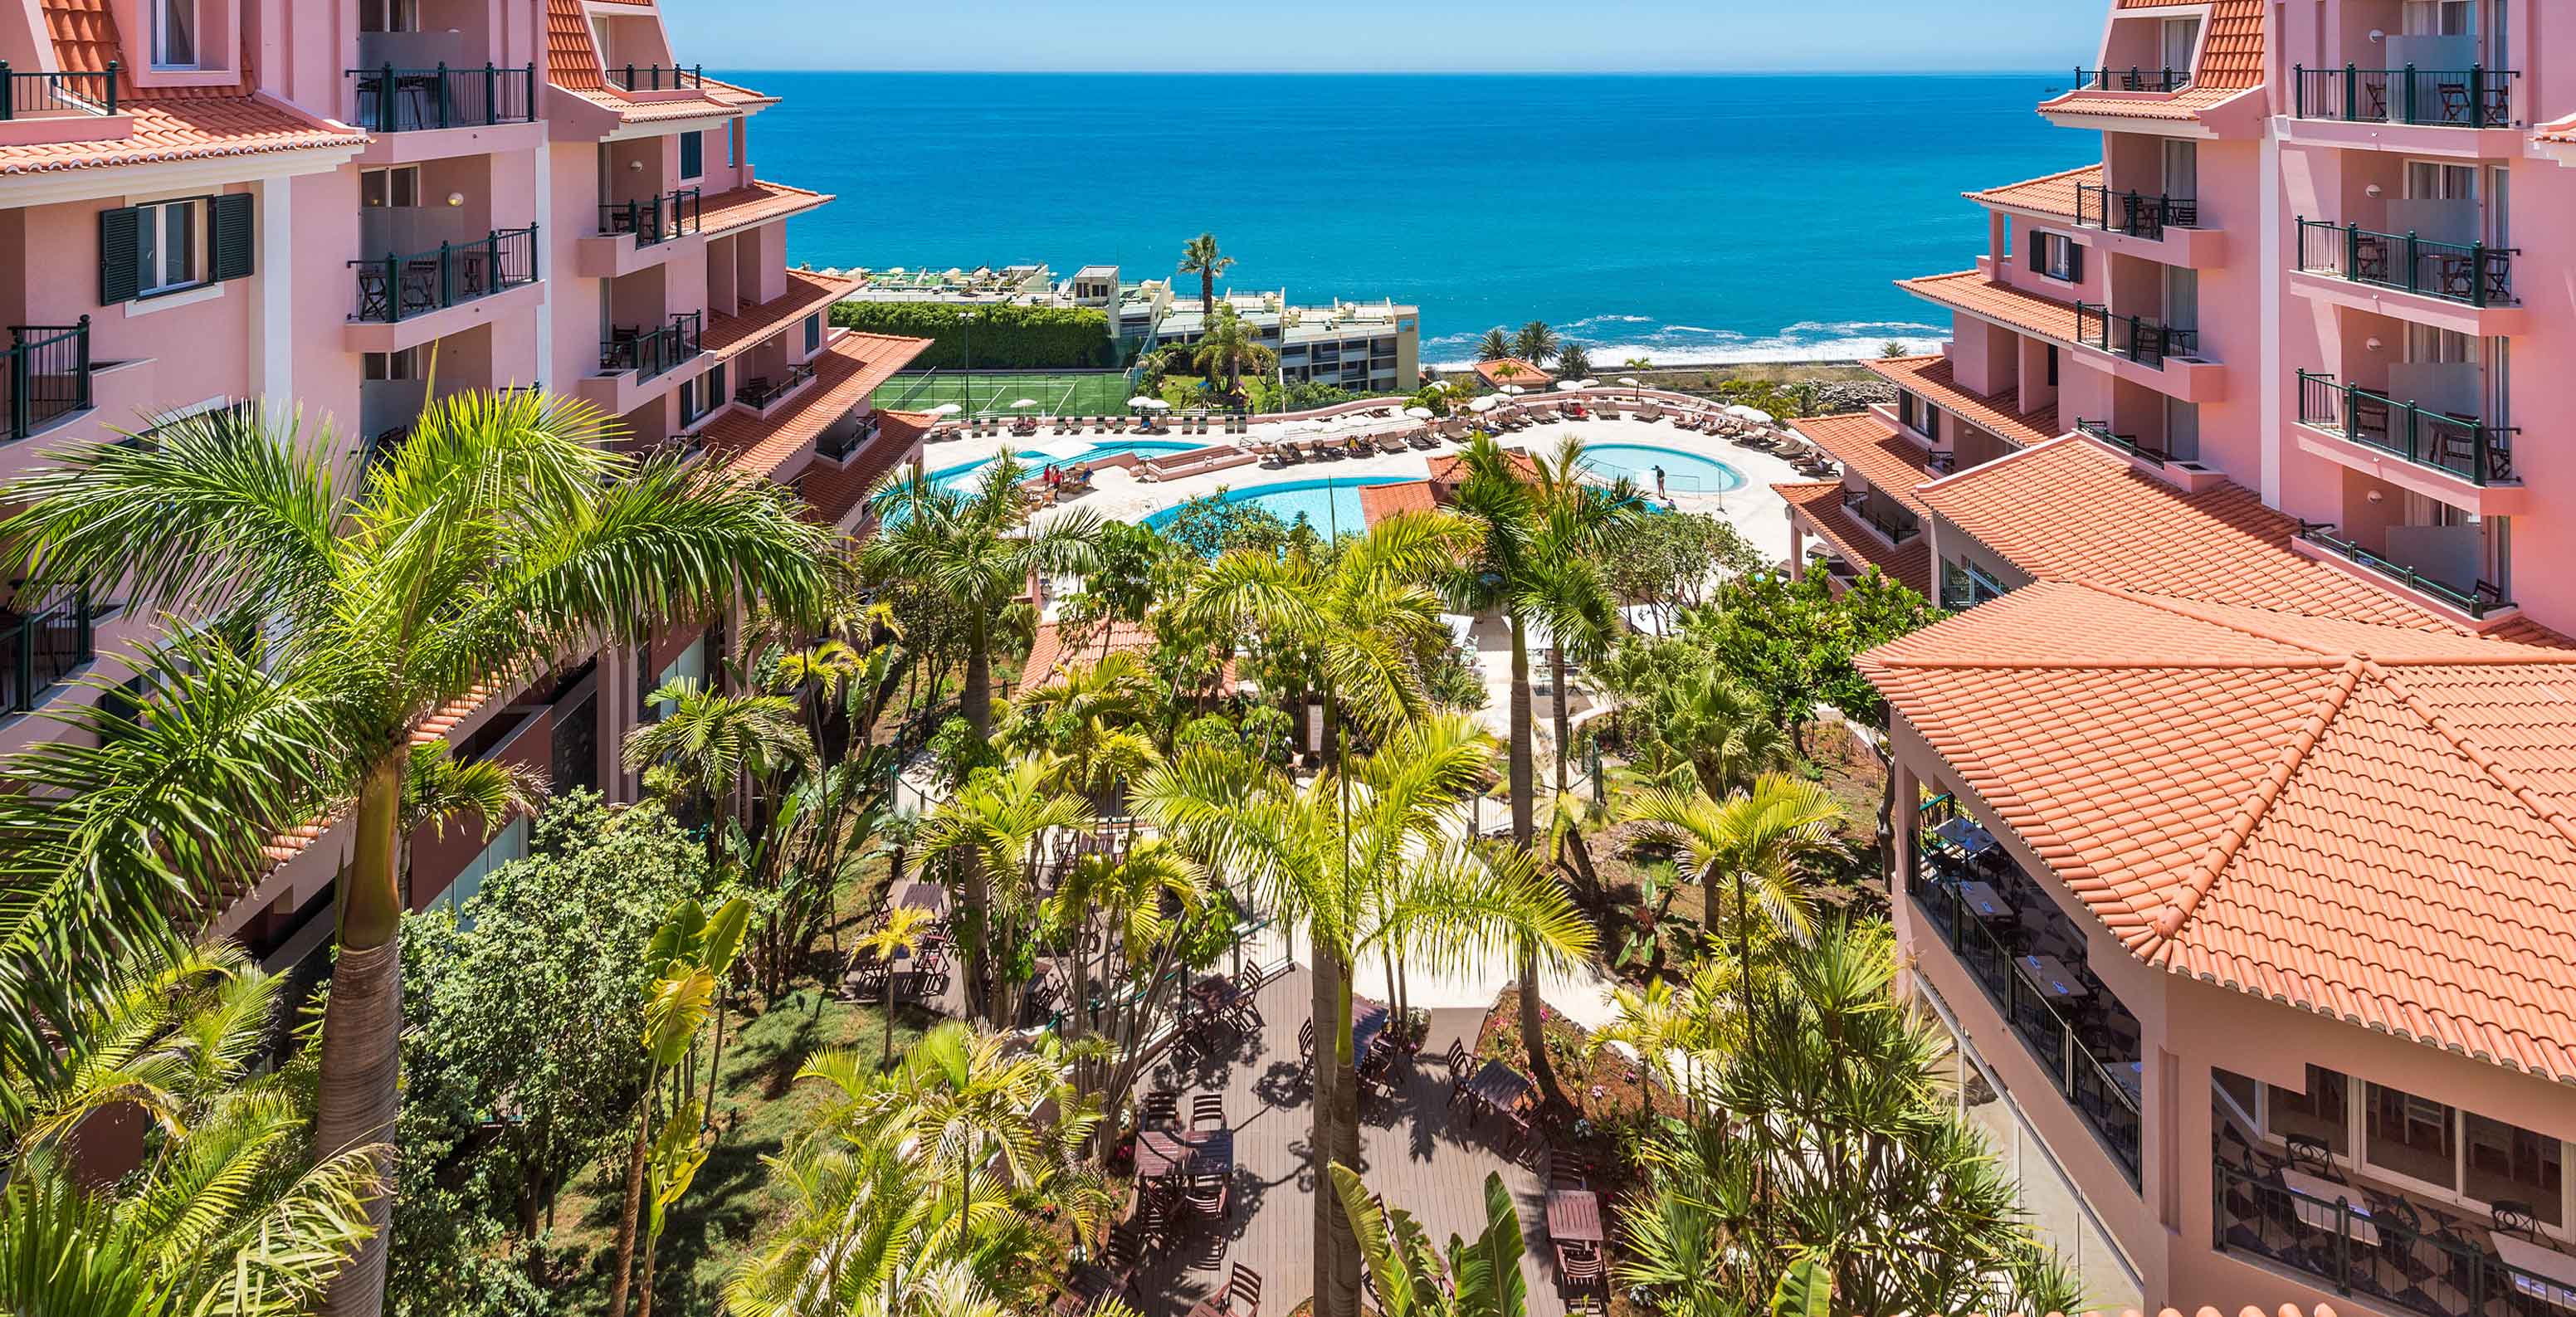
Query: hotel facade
[
  {"x": 353, "y": 207},
  {"x": 2242, "y": 849}
]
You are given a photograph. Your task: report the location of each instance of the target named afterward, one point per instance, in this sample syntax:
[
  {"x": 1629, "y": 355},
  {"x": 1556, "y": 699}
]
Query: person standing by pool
[{"x": 1659, "y": 481}]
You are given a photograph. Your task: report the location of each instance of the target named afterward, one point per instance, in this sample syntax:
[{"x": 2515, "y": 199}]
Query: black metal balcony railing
[
  {"x": 2127, "y": 443},
  {"x": 41, "y": 649},
  {"x": 2073, "y": 1070},
  {"x": 2131, "y": 78},
  {"x": 2479, "y": 600},
  {"x": 2413, "y": 1261},
  {"x": 392, "y": 100},
  {"x": 654, "y": 77},
  {"x": 655, "y": 219},
  {"x": 652, "y": 353},
  {"x": 1898, "y": 527},
  {"x": 2474, "y": 97},
  {"x": 32, "y": 94},
  {"x": 839, "y": 443},
  {"x": 761, "y": 393},
  {"x": 46, "y": 376},
  {"x": 2144, "y": 341},
  {"x": 396, "y": 288},
  {"x": 2470, "y": 273},
  {"x": 2464, "y": 446},
  {"x": 2138, "y": 214}
]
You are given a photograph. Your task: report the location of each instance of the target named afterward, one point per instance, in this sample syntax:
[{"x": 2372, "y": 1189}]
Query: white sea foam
[{"x": 1699, "y": 345}]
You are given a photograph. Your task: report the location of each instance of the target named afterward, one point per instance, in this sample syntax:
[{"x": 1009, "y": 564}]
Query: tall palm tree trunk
[
  {"x": 1524, "y": 832},
  {"x": 1330, "y": 1228},
  {"x": 634, "y": 1198},
  {"x": 1338, "y": 1252},
  {"x": 1557, "y": 703},
  {"x": 360, "y": 1087},
  {"x": 976, "y": 703}
]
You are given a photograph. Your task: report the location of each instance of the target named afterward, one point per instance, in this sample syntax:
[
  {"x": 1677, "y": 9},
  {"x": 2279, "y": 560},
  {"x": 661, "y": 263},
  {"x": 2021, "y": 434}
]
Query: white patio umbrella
[
  {"x": 1514, "y": 390},
  {"x": 1141, "y": 400},
  {"x": 1584, "y": 384},
  {"x": 1024, "y": 403},
  {"x": 1631, "y": 382},
  {"x": 946, "y": 409},
  {"x": 1418, "y": 413},
  {"x": 1484, "y": 404},
  {"x": 1757, "y": 416},
  {"x": 1155, "y": 405}
]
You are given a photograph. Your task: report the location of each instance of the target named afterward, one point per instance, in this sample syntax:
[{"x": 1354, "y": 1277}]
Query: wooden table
[
  {"x": 1499, "y": 1086},
  {"x": 1368, "y": 1020},
  {"x": 2543, "y": 1273},
  {"x": 1964, "y": 833},
  {"x": 924, "y": 896},
  {"x": 1162, "y": 1152},
  {"x": 1985, "y": 902},
  {"x": 1574, "y": 1215},
  {"x": 2315, "y": 1205},
  {"x": 2051, "y": 977}
]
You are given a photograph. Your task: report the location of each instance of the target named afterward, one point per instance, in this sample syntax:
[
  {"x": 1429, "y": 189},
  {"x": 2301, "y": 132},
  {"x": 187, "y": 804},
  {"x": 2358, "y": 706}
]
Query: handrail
[
  {"x": 652, "y": 353},
  {"x": 46, "y": 376},
  {"x": 658, "y": 218},
  {"x": 2139, "y": 214},
  {"x": 2473, "y": 274},
  {"x": 2256, "y": 1212},
  {"x": 2127, "y": 443},
  {"x": 54, "y": 91},
  {"x": 2474, "y": 97},
  {"x": 1897, "y": 527},
  {"x": 2132, "y": 78},
  {"x": 398, "y": 100},
  {"x": 759, "y": 396},
  {"x": 393, "y": 288},
  {"x": 2462, "y": 446},
  {"x": 2478, "y": 601},
  {"x": 42, "y": 648},
  {"x": 655, "y": 77},
  {"x": 2144, "y": 341}
]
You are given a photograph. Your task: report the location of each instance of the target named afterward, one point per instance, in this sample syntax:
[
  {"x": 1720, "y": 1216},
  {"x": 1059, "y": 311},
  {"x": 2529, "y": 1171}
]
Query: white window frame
[
  {"x": 164, "y": 267},
  {"x": 384, "y": 189},
  {"x": 375, "y": 16},
  {"x": 391, "y": 367},
  {"x": 192, "y": 30}
]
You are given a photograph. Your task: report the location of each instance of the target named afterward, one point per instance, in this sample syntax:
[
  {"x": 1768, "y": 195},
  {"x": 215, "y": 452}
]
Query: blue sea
[{"x": 1685, "y": 218}]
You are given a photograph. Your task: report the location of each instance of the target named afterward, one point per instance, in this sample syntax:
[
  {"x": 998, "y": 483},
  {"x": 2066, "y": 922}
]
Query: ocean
[{"x": 1682, "y": 218}]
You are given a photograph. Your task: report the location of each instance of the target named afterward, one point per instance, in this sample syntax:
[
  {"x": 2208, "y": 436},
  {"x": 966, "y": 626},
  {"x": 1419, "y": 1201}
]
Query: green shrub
[{"x": 1006, "y": 337}]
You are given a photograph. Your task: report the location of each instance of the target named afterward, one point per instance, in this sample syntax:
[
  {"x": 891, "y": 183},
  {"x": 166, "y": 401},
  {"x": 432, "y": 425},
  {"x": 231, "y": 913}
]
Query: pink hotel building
[
  {"x": 348, "y": 204},
  {"x": 2243, "y": 864}
]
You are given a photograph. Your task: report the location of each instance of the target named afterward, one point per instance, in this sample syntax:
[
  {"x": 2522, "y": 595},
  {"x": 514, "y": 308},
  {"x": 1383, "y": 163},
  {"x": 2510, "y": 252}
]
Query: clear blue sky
[{"x": 1489, "y": 36}]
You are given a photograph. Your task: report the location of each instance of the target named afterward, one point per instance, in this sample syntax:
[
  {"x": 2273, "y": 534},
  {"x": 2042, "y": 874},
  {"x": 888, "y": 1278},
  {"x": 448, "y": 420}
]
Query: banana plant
[{"x": 688, "y": 957}]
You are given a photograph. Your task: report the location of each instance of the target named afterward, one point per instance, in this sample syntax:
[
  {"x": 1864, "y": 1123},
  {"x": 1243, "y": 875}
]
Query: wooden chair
[
  {"x": 1579, "y": 1265},
  {"x": 2517, "y": 1218},
  {"x": 1158, "y": 1110},
  {"x": 1306, "y": 1045},
  {"x": 1210, "y": 1195},
  {"x": 1243, "y": 1288},
  {"x": 1207, "y": 1111},
  {"x": 1567, "y": 1171},
  {"x": 1458, "y": 1062}
]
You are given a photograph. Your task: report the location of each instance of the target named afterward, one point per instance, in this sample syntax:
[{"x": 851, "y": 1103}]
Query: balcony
[
  {"x": 2027, "y": 956},
  {"x": 656, "y": 219},
  {"x": 651, "y": 354},
  {"x": 392, "y": 289},
  {"x": 2382, "y": 1244},
  {"x": 396, "y": 100},
  {"x": 1897, "y": 527},
  {"x": 39, "y": 650},
  {"x": 2137, "y": 338},
  {"x": 841, "y": 442},
  {"x": 2461, "y": 446},
  {"x": 56, "y": 95},
  {"x": 2127, "y": 443},
  {"x": 2470, "y": 274},
  {"x": 47, "y": 376},
  {"x": 2473, "y": 97},
  {"x": 762, "y": 394},
  {"x": 2131, "y": 79},
  {"x": 2479, "y": 601},
  {"x": 632, "y": 78},
  {"x": 2137, "y": 214}
]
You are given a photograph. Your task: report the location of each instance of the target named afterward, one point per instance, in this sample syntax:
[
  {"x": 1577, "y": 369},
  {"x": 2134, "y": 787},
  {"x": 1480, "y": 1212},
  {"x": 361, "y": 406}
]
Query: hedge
[{"x": 1006, "y": 337}]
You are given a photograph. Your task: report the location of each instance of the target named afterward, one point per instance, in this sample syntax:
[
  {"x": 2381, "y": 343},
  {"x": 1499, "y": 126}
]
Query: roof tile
[
  {"x": 1820, "y": 504},
  {"x": 1971, "y": 291},
  {"x": 1999, "y": 413}
]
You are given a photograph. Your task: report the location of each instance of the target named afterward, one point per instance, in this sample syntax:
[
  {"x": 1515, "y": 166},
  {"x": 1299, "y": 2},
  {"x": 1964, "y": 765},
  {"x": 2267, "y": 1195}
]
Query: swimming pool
[
  {"x": 1684, "y": 473},
  {"x": 1328, "y": 505},
  {"x": 967, "y": 473}
]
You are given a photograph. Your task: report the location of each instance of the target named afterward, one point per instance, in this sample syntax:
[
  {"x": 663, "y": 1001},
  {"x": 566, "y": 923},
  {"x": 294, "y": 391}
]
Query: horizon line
[{"x": 1410, "y": 72}]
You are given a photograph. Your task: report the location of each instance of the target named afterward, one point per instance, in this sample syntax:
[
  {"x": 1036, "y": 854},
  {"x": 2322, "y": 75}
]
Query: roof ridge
[
  {"x": 2204, "y": 876},
  {"x": 2026, "y": 182},
  {"x": 2119, "y": 665},
  {"x": 2478, "y": 754},
  {"x": 2043, "y": 446},
  {"x": 2193, "y": 609}
]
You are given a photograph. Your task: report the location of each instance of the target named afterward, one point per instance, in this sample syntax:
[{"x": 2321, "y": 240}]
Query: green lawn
[{"x": 1074, "y": 393}]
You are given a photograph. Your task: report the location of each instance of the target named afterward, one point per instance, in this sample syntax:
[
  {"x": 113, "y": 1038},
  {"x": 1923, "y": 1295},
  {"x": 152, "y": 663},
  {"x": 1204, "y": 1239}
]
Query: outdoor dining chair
[
  {"x": 1207, "y": 1111},
  {"x": 1210, "y": 1195},
  {"x": 1243, "y": 1292}
]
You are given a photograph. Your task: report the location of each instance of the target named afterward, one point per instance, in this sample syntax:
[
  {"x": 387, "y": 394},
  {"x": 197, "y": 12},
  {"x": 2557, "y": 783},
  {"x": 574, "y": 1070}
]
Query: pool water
[
  {"x": 1327, "y": 505},
  {"x": 1684, "y": 473},
  {"x": 966, "y": 474}
]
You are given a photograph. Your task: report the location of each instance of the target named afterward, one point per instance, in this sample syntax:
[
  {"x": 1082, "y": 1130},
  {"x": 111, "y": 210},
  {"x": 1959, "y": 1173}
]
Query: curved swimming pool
[
  {"x": 1684, "y": 472},
  {"x": 1327, "y": 505},
  {"x": 967, "y": 473}
]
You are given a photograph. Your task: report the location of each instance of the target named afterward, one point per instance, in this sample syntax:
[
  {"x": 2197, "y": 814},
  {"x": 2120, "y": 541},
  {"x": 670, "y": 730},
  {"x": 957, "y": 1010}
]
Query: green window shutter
[
  {"x": 233, "y": 236},
  {"x": 2038, "y": 253},
  {"x": 2075, "y": 262},
  {"x": 120, "y": 268}
]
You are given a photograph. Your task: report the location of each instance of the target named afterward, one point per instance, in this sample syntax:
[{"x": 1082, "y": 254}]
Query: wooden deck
[{"x": 1417, "y": 1155}]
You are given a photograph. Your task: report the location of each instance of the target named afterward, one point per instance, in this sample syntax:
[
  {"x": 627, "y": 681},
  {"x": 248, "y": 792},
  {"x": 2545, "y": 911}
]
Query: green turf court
[{"x": 1057, "y": 393}]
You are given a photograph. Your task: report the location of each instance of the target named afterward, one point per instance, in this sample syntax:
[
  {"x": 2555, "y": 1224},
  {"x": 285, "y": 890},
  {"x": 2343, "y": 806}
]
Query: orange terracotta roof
[
  {"x": 1819, "y": 503},
  {"x": 2052, "y": 195},
  {"x": 438, "y": 723},
  {"x": 1972, "y": 292},
  {"x": 571, "y": 61},
  {"x": 192, "y": 129},
  {"x": 1451, "y": 468},
  {"x": 1871, "y": 449},
  {"x": 2369, "y": 822},
  {"x": 1934, "y": 378},
  {"x": 1379, "y": 502},
  {"x": 2182, "y": 105},
  {"x": 2232, "y": 57},
  {"x": 755, "y": 203},
  {"x": 1048, "y": 656},
  {"x": 832, "y": 492},
  {"x": 844, "y": 375},
  {"x": 2562, "y": 131},
  {"x": 2072, "y": 510},
  {"x": 1510, "y": 370},
  {"x": 807, "y": 292}
]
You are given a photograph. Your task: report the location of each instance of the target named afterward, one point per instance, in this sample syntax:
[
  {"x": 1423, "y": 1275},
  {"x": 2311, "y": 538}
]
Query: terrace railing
[
  {"x": 2144, "y": 341},
  {"x": 655, "y": 77},
  {"x": 652, "y": 353},
  {"x": 395, "y": 288},
  {"x": 2463, "y": 446},
  {"x": 32, "y": 95},
  {"x": 39, "y": 649},
  {"x": 2079, "y": 1076},
  {"x": 46, "y": 376},
  {"x": 2413, "y": 1261},
  {"x": 1898, "y": 527},
  {"x": 656, "y": 219},
  {"x": 2479, "y": 600},
  {"x": 2138, "y": 214},
  {"x": 2127, "y": 443},
  {"x": 394, "y": 100},
  {"x": 836, "y": 445},
  {"x": 759, "y": 394},
  {"x": 2132, "y": 78},
  {"x": 2472, "y": 274},
  {"x": 2474, "y": 97}
]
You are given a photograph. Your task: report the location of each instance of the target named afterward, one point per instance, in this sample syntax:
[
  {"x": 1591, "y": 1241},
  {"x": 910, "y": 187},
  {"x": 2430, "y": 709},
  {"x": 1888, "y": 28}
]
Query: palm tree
[
  {"x": 1533, "y": 562},
  {"x": 1496, "y": 345},
  {"x": 1200, "y": 257},
  {"x": 1364, "y": 858},
  {"x": 1574, "y": 361},
  {"x": 1230, "y": 347},
  {"x": 170, "y": 1042},
  {"x": 1638, "y": 363},
  {"x": 1535, "y": 343},
  {"x": 1120, "y": 904},
  {"x": 337, "y": 612},
  {"x": 709, "y": 741},
  {"x": 1723, "y": 730},
  {"x": 440, "y": 790},
  {"x": 996, "y": 825},
  {"x": 901, "y": 933}
]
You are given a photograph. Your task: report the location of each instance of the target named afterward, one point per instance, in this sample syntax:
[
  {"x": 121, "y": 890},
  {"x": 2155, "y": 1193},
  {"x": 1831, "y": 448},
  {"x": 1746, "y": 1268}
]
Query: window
[
  {"x": 2056, "y": 256},
  {"x": 2411, "y": 1136},
  {"x": 2052, "y": 365},
  {"x": 2437, "y": 18},
  {"x": 693, "y": 155},
  {"x": 389, "y": 15},
  {"x": 174, "y": 34},
  {"x": 2317, "y": 1113},
  {"x": 2182, "y": 168},
  {"x": 1919, "y": 416},
  {"x": 733, "y": 142},
  {"x": 2511, "y": 1164},
  {"x": 510, "y": 846},
  {"x": 378, "y": 188},
  {"x": 2181, "y": 39},
  {"x": 813, "y": 333},
  {"x": 1965, "y": 585},
  {"x": 169, "y": 253},
  {"x": 2182, "y": 430},
  {"x": 381, "y": 367}
]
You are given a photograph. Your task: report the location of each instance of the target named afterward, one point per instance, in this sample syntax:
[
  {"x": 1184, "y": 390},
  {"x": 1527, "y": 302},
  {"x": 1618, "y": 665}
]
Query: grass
[{"x": 1067, "y": 393}]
